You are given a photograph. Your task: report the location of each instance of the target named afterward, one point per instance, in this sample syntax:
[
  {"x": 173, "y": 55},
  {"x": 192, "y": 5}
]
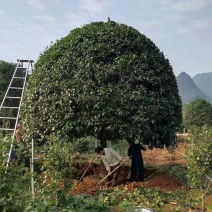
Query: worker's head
[
  {"x": 99, "y": 150},
  {"x": 131, "y": 143}
]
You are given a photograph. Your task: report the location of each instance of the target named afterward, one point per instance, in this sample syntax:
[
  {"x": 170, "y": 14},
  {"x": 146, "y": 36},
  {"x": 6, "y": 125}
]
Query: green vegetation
[
  {"x": 56, "y": 168},
  {"x": 6, "y": 72},
  {"x": 199, "y": 156},
  {"x": 104, "y": 80},
  {"x": 197, "y": 113}
]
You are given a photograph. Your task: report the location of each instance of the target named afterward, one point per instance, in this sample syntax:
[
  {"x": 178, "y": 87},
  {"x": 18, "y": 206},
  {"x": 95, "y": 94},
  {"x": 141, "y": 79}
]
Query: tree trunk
[
  {"x": 203, "y": 203},
  {"x": 103, "y": 137},
  {"x": 103, "y": 143}
]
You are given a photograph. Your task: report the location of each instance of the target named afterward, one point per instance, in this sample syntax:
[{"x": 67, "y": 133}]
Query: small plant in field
[
  {"x": 57, "y": 160},
  {"x": 199, "y": 158},
  {"x": 15, "y": 183},
  {"x": 176, "y": 171},
  {"x": 142, "y": 196}
]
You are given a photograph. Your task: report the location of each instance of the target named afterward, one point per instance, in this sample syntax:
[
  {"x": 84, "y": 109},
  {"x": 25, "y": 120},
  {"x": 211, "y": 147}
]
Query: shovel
[
  {"x": 88, "y": 167},
  {"x": 108, "y": 175}
]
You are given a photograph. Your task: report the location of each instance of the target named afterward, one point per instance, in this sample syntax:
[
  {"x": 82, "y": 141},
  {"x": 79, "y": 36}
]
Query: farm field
[
  {"x": 163, "y": 172},
  {"x": 154, "y": 160}
]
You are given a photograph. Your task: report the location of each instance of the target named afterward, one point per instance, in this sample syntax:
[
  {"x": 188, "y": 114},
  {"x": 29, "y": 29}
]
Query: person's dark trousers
[
  {"x": 114, "y": 177},
  {"x": 137, "y": 165}
]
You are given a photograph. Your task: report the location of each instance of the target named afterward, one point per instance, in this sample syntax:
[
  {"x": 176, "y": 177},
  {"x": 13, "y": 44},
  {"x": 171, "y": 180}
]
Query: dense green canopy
[
  {"x": 105, "y": 80},
  {"x": 6, "y": 72},
  {"x": 197, "y": 113}
]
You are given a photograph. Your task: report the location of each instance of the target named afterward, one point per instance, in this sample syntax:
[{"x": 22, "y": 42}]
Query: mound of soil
[
  {"x": 153, "y": 179},
  {"x": 163, "y": 182}
]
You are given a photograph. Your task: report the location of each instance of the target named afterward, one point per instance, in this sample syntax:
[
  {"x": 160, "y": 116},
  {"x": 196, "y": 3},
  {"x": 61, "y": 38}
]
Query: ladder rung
[
  {"x": 18, "y": 77},
  {"x": 22, "y": 72},
  {"x": 8, "y": 118},
  {"x": 10, "y": 107},
  {"x": 6, "y": 129},
  {"x": 16, "y": 88},
  {"x": 12, "y": 97},
  {"x": 31, "y": 61}
]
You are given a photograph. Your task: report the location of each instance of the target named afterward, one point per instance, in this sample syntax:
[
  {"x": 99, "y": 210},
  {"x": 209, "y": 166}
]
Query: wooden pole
[
  {"x": 108, "y": 175},
  {"x": 179, "y": 153},
  {"x": 32, "y": 169},
  {"x": 153, "y": 174},
  {"x": 88, "y": 167}
]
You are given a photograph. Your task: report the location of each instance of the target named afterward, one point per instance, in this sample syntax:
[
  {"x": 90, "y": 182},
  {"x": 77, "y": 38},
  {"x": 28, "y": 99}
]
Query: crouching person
[{"x": 111, "y": 160}]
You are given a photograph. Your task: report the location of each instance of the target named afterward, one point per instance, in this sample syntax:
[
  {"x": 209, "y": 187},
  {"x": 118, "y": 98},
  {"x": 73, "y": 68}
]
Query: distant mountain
[
  {"x": 188, "y": 90},
  {"x": 204, "y": 83}
]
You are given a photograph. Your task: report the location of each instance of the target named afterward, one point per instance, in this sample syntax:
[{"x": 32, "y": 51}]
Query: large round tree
[{"x": 105, "y": 80}]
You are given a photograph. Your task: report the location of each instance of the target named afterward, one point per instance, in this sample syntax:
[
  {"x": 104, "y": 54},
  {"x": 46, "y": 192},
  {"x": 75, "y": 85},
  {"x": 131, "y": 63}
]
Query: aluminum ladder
[{"x": 11, "y": 102}]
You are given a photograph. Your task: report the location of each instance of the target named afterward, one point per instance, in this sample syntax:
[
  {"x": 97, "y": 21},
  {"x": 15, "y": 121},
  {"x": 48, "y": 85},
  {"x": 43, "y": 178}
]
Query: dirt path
[{"x": 158, "y": 157}]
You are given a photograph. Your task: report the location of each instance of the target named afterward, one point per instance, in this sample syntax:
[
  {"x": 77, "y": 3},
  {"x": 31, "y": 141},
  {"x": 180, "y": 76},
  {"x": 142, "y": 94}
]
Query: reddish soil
[
  {"x": 158, "y": 157},
  {"x": 154, "y": 179}
]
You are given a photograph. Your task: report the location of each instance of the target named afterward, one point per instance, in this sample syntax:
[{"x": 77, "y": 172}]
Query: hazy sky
[{"x": 182, "y": 29}]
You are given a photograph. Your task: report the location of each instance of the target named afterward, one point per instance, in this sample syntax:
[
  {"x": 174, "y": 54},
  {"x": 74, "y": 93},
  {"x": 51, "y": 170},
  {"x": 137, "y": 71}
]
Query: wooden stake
[
  {"x": 153, "y": 174},
  {"x": 88, "y": 167},
  {"x": 180, "y": 153},
  {"x": 108, "y": 175}
]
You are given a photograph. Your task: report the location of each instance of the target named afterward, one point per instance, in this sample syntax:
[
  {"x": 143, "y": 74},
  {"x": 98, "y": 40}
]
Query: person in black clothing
[{"x": 134, "y": 152}]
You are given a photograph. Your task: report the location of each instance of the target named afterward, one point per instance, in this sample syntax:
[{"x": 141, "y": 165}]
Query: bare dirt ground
[{"x": 158, "y": 157}]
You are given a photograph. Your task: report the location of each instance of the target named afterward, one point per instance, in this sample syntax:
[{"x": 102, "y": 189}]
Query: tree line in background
[{"x": 197, "y": 113}]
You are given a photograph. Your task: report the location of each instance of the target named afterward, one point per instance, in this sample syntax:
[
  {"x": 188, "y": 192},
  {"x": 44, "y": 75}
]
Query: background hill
[
  {"x": 188, "y": 90},
  {"x": 204, "y": 83}
]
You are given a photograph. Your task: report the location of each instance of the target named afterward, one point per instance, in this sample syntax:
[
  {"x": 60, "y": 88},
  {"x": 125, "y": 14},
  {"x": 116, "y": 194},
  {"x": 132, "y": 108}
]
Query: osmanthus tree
[
  {"x": 197, "y": 113},
  {"x": 105, "y": 80}
]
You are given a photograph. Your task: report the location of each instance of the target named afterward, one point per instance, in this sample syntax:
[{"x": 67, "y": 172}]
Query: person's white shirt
[{"x": 110, "y": 158}]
